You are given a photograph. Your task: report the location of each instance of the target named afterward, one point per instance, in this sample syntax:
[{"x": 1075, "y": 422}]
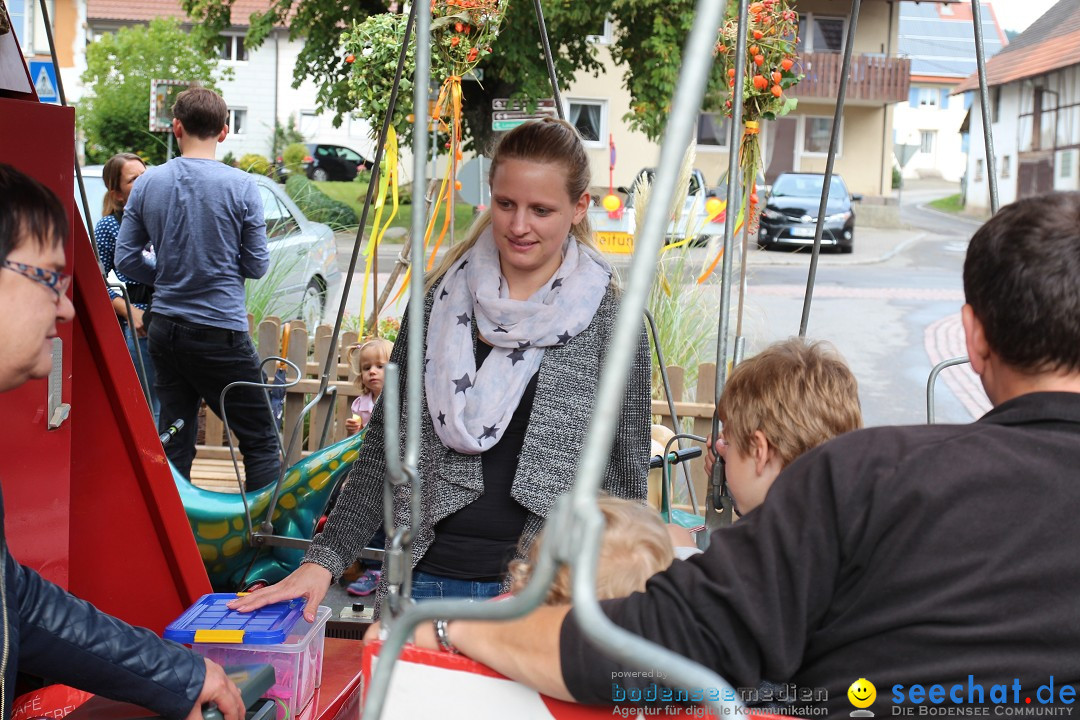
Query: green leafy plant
[
  {"x": 317, "y": 206},
  {"x": 255, "y": 164},
  {"x": 263, "y": 297},
  {"x": 284, "y": 136},
  {"x": 114, "y": 115},
  {"x": 229, "y": 159},
  {"x": 293, "y": 156}
]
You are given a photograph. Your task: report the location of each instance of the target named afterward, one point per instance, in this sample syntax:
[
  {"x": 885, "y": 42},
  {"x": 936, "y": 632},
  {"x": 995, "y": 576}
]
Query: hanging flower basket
[{"x": 771, "y": 70}]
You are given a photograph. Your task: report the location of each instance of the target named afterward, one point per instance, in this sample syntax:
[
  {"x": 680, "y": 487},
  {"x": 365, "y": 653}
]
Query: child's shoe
[{"x": 365, "y": 584}]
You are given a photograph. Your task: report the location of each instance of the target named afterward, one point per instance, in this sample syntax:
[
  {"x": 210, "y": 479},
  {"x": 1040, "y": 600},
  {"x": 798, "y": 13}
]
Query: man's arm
[
  {"x": 68, "y": 640},
  {"x": 131, "y": 240},
  {"x": 254, "y": 254},
  {"x": 525, "y": 650}
]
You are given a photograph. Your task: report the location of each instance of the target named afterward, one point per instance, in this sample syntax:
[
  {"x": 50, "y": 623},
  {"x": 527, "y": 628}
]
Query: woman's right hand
[
  {"x": 309, "y": 581},
  {"x": 353, "y": 425}
]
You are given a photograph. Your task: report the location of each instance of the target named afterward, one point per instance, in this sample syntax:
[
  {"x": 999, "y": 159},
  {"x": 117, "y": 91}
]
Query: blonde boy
[{"x": 789, "y": 398}]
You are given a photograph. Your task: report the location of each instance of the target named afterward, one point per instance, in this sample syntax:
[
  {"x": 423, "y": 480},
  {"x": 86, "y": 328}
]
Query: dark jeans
[
  {"x": 195, "y": 362},
  {"x": 426, "y": 586}
]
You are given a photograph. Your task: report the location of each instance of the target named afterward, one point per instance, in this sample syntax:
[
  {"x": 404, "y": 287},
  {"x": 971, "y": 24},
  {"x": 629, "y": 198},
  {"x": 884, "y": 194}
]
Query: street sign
[
  {"x": 617, "y": 243},
  {"x": 162, "y": 96},
  {"x": 541, "y": 105},
  {"x": 43, "y": 75},
  {"x": 507, "y": 114},
  {"x": 473, "y": 177},
  {"x": 904, "y": 153},
  {"x": 504, "y": 125}
]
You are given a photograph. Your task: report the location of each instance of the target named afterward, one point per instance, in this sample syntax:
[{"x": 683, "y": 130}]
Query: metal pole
[
  {"x": 834, "y": 137},
  {"x": 548, "y": 61},
  {"x": 588, "y": 521},
  {"x": 930, "y": 382},
  {"x": 331, "y": 357},
  {"x": 717, "y": 503},
  {"x": 984, "y": 104}
]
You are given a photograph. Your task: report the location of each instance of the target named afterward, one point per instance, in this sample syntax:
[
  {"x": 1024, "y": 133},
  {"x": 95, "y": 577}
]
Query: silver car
[{"x": 303, "y": 254}]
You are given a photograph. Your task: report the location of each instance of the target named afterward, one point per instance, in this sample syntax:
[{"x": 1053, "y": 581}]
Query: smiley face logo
[{"x": 862, "y": 693}]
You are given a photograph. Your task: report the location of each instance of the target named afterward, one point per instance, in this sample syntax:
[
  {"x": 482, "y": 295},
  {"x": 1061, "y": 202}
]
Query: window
[
  {"x": 237, "y": 121},
  {"x": 29, "y": 25},
  {"x": 1005, "y": 166},
  {"x": 603, "y": 37},
  {"x": 1065, "y": 166},
  {"x": 588, "y": 117},
  {"x": 979, "y": 169},
  {"x": 926, "y": 141},
  {"x": 995, "y": 104},
  {"x": 923, "y": 97},
  {"x": 821, "y": 34},
  {"x": 309, "y": 123},
  {"x": 279, "y": 221},
  {"x": 713, "y": 130},
  {"x": 816, "y": 134},
  {"x": 969, "y": 97},
  {"x": 232, "y": 48}
]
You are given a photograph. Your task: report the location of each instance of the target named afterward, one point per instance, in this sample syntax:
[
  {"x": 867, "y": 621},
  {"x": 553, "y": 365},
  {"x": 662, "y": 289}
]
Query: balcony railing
[{"x": 874, "y": 78}]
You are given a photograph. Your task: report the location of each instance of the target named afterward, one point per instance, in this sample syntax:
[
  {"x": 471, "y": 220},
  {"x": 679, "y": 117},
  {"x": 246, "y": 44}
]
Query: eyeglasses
[{"x": 58, "y": 282}]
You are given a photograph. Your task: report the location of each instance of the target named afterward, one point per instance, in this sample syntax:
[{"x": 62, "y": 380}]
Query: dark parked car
[
  {"x": 333, "y": 162},
  {"x": 790, "y": 214}
]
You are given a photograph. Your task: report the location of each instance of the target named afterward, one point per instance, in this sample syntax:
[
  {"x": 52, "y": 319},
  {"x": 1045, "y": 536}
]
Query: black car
[
  {"x": 333, "y": 162},
  {"x": 790, "y": 214}
]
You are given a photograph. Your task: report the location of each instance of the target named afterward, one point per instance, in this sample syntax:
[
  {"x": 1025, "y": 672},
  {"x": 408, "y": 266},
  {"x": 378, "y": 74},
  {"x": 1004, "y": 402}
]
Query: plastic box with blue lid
[{"x": 276, "y": 634}]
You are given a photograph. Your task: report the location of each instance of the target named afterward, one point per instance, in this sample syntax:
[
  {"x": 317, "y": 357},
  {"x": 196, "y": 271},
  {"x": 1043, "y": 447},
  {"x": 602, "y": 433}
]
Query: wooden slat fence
[{"x": 213, "y": 469}]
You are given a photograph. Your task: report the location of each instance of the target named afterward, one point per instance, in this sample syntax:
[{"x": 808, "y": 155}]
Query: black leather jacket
[{"x": 50, "y": 633}]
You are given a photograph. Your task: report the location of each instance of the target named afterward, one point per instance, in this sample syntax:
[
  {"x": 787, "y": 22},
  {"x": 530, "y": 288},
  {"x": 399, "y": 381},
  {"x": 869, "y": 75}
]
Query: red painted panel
[
  {"x": 35, "y": 465},
  {"x": 91, "y": 505}
]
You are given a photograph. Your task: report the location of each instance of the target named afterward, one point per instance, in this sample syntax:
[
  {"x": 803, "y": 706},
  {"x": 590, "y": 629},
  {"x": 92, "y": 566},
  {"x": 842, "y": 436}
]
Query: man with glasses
[{"x": 44, "y": 630}]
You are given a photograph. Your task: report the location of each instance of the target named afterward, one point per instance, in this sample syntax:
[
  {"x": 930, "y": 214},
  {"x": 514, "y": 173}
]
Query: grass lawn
[
  {"x": 353, "y": 194},
  {"x": 953, "y": 203}
]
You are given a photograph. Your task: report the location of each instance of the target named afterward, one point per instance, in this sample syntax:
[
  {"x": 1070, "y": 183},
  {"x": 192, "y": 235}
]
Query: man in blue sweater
[{"x": 205, "y": 221}]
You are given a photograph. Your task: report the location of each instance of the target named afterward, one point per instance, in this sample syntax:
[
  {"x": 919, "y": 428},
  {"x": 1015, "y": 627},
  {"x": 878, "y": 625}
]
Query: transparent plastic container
[{"x": 297, "y": 661}]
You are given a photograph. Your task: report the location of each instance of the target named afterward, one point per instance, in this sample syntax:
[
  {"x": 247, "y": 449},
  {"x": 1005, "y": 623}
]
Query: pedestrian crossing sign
[{"x": 43, "y": 75}]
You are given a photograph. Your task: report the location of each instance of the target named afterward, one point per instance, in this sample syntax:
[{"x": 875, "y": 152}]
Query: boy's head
[
  {"x": 791, "y": 397},
  {"x": 635, "y": 547},
  {"x": 202, "y": 112}
]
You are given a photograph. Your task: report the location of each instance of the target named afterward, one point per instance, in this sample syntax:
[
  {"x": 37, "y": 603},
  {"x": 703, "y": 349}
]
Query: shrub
[
  {"x": 229, "y": 159},
  {"x": 896, "y": 178},
  {"x": 255, "y": 164},
  {"x": 293, "y": 157},
  {"x": 317, "y": 205}
]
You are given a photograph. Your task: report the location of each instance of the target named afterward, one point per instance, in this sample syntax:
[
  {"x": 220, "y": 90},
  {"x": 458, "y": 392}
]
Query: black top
[
  {"x": 478, "y": 541},
  {"x": 914, "y": 555}
]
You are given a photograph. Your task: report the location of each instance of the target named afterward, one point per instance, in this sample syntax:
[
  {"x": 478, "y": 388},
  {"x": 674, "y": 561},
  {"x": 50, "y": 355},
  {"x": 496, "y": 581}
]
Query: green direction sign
[{"x": 504, "y": 125}]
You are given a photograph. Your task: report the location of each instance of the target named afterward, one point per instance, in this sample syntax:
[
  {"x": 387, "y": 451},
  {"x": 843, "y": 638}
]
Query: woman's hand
[
  {"x": 353, "y": 425},
  {"x": 137, "y": 318},
  {"x": 309, "y": 581}
]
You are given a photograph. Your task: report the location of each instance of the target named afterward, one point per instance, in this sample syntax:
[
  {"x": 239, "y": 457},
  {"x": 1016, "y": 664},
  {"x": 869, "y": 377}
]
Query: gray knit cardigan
[{"x": 566, "y": 386}]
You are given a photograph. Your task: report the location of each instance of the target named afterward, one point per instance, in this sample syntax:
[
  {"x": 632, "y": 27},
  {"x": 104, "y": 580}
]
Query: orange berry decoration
[
  {"x": 759, "y": 60},
  {"x": 454, "y": 41},
  {"x": 350, "y": 58},
  {"x": 786, "y": 63},
  {"x": 753, "y": 198},
  {"x": 758, "y": 34},
  {"x": 458, "y": 27},
  {"x": 776, "y": 91},
  {"x": 777, "y": 77},
  {"x": 731, "y": 72},
  {"x": 760, "y": 82},
  {"x": 753, "y": 50}
]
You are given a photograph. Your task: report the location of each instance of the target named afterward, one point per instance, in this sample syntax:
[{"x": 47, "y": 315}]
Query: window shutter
[{"x": 913, "y": 97}]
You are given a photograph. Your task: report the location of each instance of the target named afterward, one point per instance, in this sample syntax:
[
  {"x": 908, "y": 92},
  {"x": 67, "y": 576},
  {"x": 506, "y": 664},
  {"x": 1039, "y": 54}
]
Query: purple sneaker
[{"x": 365, "y": 584}]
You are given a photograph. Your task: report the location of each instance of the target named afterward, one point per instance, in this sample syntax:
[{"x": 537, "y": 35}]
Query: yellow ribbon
[{"x": 388, "y": 180}]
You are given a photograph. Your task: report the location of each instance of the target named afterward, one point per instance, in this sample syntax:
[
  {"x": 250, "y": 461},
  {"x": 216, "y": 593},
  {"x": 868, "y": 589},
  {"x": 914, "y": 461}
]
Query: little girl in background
[{"x": 372, "y": 357}]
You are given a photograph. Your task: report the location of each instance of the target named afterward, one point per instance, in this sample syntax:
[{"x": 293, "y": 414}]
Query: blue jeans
[
  {"x": 144, "y": 348},
  {"x": 426, "y": 586}
]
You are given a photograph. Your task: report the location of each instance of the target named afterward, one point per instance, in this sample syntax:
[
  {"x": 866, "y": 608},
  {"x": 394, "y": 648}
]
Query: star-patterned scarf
[{"x": 471, "y": 406}]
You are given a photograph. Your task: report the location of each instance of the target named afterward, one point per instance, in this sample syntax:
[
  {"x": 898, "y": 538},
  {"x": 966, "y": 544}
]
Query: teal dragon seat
[{"x": 217, "y": 519}]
